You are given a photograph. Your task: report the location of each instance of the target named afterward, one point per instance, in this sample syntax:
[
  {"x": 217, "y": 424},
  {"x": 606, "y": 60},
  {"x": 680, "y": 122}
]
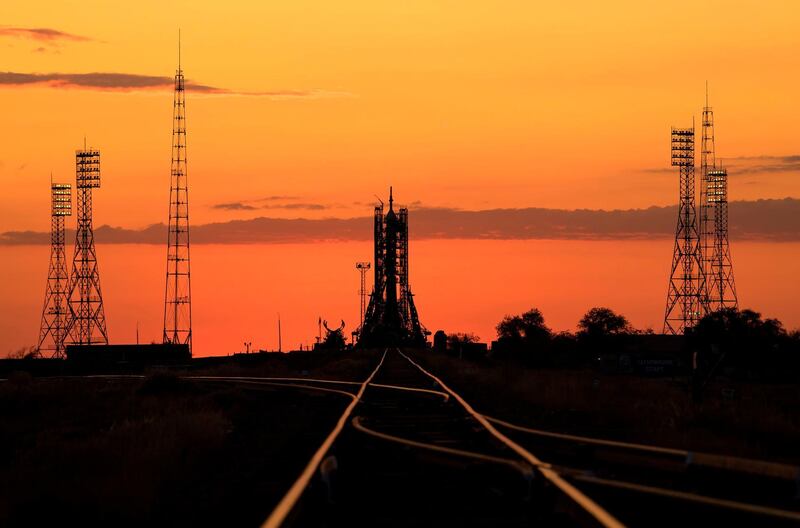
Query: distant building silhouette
[{"x": 391, "y": 317}]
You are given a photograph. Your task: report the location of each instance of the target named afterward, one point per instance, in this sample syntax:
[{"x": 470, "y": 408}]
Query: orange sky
[
  {"x": 234, "y": 300},
  {"x": 469, "y": 104},
  {"x": 475, "y": 105}
]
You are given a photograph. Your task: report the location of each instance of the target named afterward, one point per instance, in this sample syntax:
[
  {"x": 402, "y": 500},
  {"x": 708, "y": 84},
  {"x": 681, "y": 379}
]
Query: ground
[
  {"x": 737, "y": 418},
  {"x": 162, "y": 450}
]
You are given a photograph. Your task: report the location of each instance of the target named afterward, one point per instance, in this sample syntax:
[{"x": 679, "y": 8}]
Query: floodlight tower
[
  {"x": 722, "y": 289},
  {"x": 178, "y": 291},
  {"x": 685, "y": 294},
  {"x": 363, "y": 268},
  {"x": 52, "y": 330},
  {"x": 87, "y": 320}
]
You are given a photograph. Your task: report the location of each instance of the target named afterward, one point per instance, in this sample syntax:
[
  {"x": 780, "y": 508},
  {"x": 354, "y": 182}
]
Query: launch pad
[{"x": 391, "y": 318}]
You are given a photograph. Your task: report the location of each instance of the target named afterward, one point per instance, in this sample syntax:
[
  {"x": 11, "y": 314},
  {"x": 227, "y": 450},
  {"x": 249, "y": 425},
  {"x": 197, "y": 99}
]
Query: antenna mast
[{"x": 178, "y": 291}]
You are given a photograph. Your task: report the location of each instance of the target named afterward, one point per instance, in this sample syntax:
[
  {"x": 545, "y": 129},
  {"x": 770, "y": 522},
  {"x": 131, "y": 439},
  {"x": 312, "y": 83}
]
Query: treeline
[{"x": 736, "y": 343}]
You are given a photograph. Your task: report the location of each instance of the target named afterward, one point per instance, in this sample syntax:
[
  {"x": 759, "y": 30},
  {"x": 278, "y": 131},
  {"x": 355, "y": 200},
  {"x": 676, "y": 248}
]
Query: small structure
[{"x": 113, "y": 354}]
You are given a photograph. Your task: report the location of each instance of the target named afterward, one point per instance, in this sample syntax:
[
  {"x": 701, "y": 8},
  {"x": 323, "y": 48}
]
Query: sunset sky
[{"x": 309, "y": 109}]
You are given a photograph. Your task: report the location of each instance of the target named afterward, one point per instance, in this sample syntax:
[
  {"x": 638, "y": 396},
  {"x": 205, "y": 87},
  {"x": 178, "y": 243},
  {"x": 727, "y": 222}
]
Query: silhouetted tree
[
  {"x": 457, "y": 338},
  {"x": 525, "y": 336},
  {"x": 745, "y": 342},
  {"x": 528, "y": 327},
  {"x": 24, "y": 353},
  {"x": 600, "y": 322},
  {"x": 463, "y": 345},
  {"x": 602, "y": 333}
]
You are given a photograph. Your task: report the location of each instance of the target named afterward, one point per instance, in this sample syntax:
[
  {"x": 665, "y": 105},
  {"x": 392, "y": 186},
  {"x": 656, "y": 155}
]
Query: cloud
[
  {"x": 762, "y": 164},
  {"x": 306, "y": 206},
  {"x": 98, "y": 81},
  {"x": 747, "y": 165},
  {"x": 247, "y": 206},
  {"x": 42, "y": 34},
  {"x": 660, "y": 170},
  {"x": 127, "y": 82},
  {"x": 234, "y": 206},
  {"x": 761, "y": 220},
  {"x": 277, "y": 198}
]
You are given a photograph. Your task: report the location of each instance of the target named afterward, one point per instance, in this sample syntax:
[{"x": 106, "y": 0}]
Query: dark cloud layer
[
  {"x": 126, "y": 82},
  {"x": 247, "y": 206},
  {"x": 748, "y": 165},
  {"x": 763, "y": 164},
  {"x": 42, "y": 34},
  {"x": 767, "y": 220},
  {"x": 99, "y": 81},
  {"x": 297, "y": 206},
  {"x": 234, "y": 206}
]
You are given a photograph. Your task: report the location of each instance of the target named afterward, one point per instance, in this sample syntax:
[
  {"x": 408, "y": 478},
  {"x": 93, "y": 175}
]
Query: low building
[{"x": 150, "y": 353}]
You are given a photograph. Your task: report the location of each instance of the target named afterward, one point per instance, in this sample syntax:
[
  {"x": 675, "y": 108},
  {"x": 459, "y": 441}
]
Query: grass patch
[
  {"x": 155, "y": 451},
  {"x": 737, "y": 418}
]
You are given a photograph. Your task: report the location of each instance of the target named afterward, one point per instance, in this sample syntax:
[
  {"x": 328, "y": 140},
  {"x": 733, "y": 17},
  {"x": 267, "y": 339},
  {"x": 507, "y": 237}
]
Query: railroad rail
[
  {"x": 452, "y": 429},
  {"x": 602, "y": 478}
]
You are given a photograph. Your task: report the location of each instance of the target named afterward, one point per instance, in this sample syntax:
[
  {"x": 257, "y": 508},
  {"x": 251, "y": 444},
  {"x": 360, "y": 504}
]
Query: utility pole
[
  {"x": 363, "y": 268},
  {"x": 279, "y": 333}
]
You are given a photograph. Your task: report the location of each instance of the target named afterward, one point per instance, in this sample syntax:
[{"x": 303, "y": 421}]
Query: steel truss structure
[
  {"x": 87, "y": 320},
  {"x": 178, "y": 290},
  {"x": 55, "y": 313},
  {"x": 363, "y": 268},
  {"x": 715, "y": 245},
  {"x": 687, "y": 287},
  {"x": 719, "y": 273}
]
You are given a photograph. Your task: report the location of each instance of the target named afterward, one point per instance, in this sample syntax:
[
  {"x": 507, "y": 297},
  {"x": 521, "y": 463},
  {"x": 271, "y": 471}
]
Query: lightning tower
[
  {"x": 87, "y": 320},
  {"x": 686, "y": 292},
  {"x": 363, "y": 268},
  {"x": 55, "y": 314},
  {"x": 178, "y": 291},
  {"x": 707, "y": 205},
  {"x": 715, "y": 246}
]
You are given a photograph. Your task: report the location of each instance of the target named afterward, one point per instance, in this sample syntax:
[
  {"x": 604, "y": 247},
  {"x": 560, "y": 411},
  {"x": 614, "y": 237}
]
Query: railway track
[
  {"x": 409, "y": 451},
  {"x": 416, "y": 454},
  {"x": 703, "y": 486}
]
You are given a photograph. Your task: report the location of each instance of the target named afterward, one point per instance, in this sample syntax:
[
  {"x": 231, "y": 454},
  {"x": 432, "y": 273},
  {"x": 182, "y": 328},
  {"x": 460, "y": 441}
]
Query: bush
[{"x": 744, "y": 344}]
